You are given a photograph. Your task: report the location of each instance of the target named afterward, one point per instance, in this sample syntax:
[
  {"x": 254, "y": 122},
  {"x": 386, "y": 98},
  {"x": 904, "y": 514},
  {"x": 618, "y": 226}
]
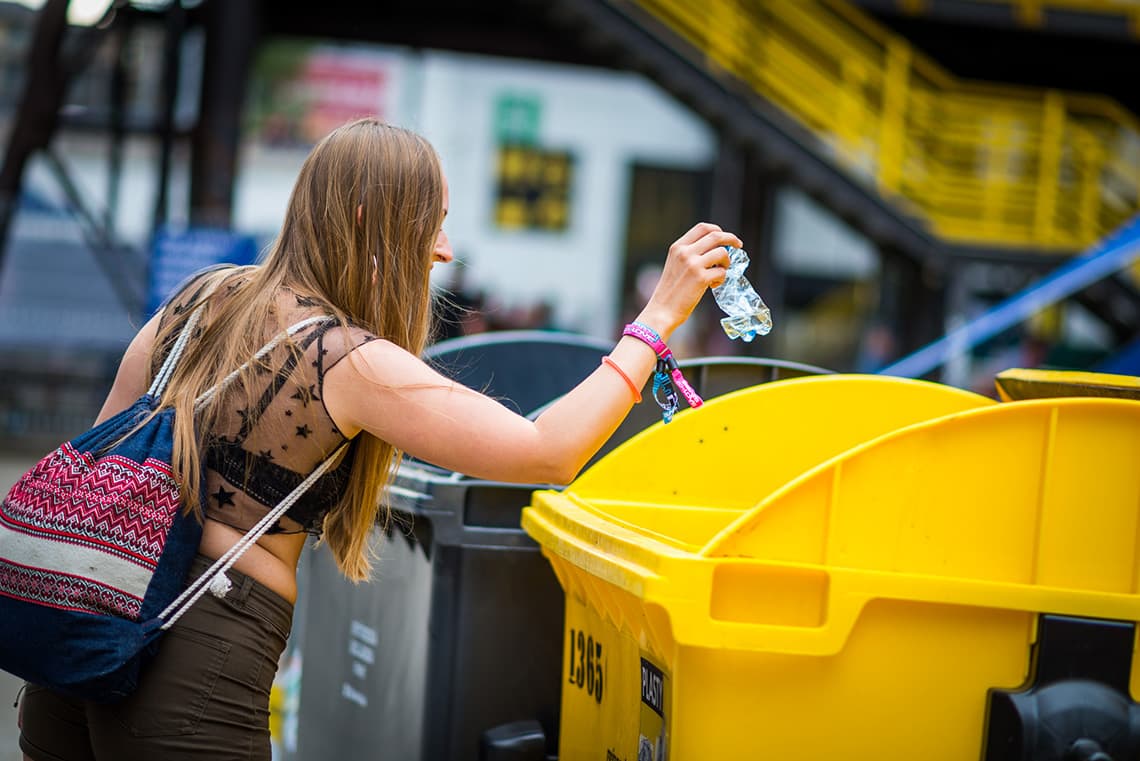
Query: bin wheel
[
  {"x": 1077, "y": 707},
  {"x": 517, "y": 741}
]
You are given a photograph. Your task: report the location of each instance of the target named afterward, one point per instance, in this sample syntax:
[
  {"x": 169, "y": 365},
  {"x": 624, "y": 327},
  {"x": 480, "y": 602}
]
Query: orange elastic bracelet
[{"x": 632, "y": 387}]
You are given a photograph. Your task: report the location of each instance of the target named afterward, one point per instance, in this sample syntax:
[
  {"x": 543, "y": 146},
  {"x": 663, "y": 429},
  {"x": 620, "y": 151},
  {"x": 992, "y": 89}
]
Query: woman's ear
[{"x": 359, "y": 213}]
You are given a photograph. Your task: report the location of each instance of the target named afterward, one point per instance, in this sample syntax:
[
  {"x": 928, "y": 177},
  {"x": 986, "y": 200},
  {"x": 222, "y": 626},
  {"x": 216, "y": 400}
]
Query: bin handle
[{"x": 849, "y": 592}]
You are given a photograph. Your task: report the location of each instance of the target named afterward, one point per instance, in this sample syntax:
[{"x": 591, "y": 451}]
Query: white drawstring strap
[
  {"x": 162, "y": 377},
  {"x": 261, "y": 353},
  {"x": 207, "y": 580},
  {"x": 167, "y": 369}
]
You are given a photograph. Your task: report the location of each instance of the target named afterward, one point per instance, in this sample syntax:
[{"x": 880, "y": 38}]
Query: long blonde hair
[{"x": 358, "y": 233}]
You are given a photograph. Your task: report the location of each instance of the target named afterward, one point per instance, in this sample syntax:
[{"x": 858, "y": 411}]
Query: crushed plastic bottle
[{"x": 748, "y": 316}]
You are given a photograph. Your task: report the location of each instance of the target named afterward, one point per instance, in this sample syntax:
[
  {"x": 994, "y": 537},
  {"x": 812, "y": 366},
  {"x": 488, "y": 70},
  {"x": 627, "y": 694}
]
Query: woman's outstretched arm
[{"x": 395, "y": 396}]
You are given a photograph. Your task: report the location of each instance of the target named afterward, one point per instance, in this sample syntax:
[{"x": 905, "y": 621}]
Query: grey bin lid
[{"x": 524, "y": 369}]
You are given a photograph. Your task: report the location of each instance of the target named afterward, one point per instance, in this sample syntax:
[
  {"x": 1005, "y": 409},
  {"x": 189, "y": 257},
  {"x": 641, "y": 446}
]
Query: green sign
[{"x": 517, "y": 118}]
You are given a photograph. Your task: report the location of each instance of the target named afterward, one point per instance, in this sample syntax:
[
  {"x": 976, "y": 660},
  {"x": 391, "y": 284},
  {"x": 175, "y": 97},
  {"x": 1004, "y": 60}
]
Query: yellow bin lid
[
  {"x": 1018, "y": 384},
  {"x": 1027, "y": 506},
  {"x": 724, "y": 457}
]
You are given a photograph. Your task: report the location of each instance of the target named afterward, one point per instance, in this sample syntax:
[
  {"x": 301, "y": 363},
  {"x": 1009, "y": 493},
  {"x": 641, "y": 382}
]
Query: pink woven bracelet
[
  {"x": 668, "y": 377},
  {"x": 648, "y": 336}
]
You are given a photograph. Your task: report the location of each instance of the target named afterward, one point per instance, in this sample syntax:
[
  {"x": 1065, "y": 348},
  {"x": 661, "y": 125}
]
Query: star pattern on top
[
  {"x": 306, "y": 395},
  {"x": 223, "y": 497},
  {"x": 252, "y": 440}
]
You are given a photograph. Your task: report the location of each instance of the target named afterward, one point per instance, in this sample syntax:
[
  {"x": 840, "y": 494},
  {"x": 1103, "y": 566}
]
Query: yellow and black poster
[
  {"x": 651, "y": 739},
  {"x": 615, "y": 697}
]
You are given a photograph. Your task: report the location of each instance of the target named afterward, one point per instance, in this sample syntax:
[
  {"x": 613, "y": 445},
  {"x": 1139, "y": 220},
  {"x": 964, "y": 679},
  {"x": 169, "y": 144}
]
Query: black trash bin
[
  {"x": 455, "y": 635},
  {"x": 524, "y": 369},
  {"x": 446, "y": 641}
]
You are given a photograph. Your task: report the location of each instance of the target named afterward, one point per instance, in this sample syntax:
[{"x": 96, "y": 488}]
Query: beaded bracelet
[{"x": 667, "y": 378}]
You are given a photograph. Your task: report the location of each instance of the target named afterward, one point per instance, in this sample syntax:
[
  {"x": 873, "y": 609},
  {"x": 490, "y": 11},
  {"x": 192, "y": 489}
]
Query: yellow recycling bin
[{"x": 834, "y": 567}]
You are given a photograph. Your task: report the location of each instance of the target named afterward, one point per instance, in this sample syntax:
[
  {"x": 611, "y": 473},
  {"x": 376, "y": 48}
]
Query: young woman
[{"x": 362, "y": 230}]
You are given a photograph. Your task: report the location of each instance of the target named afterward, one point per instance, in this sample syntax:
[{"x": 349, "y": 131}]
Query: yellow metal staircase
[
  {"x": 984, "y": 165},
  {"x": 1032, "y": 12}
]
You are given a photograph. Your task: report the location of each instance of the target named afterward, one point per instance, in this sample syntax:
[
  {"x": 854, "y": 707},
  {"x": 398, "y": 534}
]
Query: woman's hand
[{"x": 697, "y": 261}]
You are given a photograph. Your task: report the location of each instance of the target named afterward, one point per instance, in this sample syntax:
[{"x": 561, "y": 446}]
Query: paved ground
[{"x": 10, "y": 469}]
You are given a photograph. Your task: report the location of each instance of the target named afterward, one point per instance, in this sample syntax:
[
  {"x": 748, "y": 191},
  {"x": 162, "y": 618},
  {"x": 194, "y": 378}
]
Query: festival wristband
[
  {"x": 648, "y": 336},
  {"x": 667, "y": 379},
  {"x": 683, "y": 385}
]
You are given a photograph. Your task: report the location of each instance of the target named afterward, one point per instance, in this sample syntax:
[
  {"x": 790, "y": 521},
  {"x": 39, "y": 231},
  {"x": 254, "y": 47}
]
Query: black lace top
[{"x": 261, "y": 451}]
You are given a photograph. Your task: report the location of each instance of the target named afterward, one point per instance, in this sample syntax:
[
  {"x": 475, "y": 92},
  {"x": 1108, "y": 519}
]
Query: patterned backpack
[{"x": 95, "y": 550}]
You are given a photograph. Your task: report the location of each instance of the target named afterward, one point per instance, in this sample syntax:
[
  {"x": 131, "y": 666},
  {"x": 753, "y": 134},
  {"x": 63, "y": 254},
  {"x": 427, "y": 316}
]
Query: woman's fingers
[
  {"x": 710, "y": 238},
  {"x": 708, "y": 250},
  {"x": 713, "y": 261},
  {"x": 717, "y": 256},
  {"x": 696, "y": 232}
]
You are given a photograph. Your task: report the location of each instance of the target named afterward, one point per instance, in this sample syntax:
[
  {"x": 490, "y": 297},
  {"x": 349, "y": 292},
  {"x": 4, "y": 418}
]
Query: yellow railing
[
  {"x": 984, "y": 164},
  {"x": 1032, "y": 12}
]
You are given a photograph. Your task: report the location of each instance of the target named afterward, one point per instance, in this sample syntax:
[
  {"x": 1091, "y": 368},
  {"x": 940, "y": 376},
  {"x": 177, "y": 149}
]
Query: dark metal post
[
  {"x": 38, "y": 114},
  {"x": 232, "y": 29},
  {"x": 171, "y": 65},
  {"x": 728, "y": 183},
  {"x": 118, "y": 98},
  {"x": 913, "y": 298},
  {"x": 744, "y": 201}
]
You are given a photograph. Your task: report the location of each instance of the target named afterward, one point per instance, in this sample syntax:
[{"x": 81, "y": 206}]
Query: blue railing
[{"x": 1113, "y": 254}]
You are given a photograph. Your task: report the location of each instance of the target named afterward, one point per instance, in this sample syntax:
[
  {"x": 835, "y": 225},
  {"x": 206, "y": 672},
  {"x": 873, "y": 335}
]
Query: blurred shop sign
[
  {"x": 304, "y": 90},
  {"x": 517, "y": 118},
  {"x": 178, "y": 254}
]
